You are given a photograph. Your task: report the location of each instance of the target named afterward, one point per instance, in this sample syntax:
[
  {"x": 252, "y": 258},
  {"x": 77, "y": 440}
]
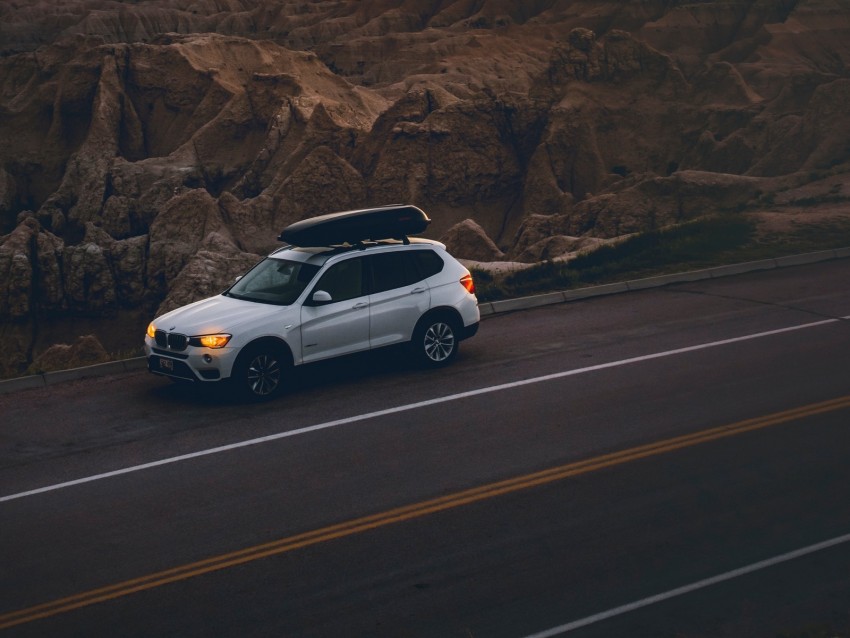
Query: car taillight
[{"x": 466, "y": 282}]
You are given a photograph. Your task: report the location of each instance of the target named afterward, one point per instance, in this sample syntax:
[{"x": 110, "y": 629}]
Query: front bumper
[{"x": 191, "y": 364}]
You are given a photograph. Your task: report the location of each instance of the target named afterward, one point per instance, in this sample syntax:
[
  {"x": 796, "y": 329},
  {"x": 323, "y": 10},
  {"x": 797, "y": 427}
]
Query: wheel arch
[
  {"x": 275, "y": 342},
  {"x": 443, "y": 311}
]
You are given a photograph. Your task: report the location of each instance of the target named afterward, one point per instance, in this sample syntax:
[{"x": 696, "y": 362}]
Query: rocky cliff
[{"x": 152, "y": 150}]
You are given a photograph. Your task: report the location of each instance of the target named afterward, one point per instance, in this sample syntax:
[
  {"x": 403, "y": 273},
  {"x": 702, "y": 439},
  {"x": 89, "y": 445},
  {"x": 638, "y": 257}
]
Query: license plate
[{"x": 166, "y": 364}]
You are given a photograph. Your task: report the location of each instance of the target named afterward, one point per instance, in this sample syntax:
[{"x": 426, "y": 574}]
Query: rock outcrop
[
  {"x": 467, "y": 240},
  {"x": 85, "y": 351}
]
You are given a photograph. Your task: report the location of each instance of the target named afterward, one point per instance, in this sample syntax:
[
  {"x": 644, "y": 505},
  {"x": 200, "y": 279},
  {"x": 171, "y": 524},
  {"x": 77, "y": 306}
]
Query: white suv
[{"x": 304, "y": 304}]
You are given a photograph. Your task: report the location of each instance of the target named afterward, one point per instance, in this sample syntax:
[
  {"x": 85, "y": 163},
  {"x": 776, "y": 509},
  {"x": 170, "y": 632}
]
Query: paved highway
[{"x": 669, "y": 462}]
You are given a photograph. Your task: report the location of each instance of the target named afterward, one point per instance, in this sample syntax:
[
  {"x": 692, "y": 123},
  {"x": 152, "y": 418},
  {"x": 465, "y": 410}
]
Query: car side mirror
[{"x": 321, "y": 297}]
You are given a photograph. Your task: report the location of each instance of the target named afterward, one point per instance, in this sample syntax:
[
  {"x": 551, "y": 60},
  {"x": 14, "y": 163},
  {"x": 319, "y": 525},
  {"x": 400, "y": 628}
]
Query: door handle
[
  {"x": 360, "y": 306},
  {"x": 417, "y": 291}
]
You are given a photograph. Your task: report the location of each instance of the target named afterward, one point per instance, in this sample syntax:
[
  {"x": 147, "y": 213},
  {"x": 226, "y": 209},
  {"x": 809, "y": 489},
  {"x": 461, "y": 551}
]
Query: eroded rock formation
[{"x": 153, "y": 150}]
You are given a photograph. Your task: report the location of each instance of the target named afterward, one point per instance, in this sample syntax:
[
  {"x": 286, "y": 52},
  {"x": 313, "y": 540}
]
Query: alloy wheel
[
  {"x": 439, "y": 342},
  {"x": 264, "y": 375}
]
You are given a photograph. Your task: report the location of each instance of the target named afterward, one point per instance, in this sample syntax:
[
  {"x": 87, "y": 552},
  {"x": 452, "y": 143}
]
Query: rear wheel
[
  {"x": 260, "y": 371},
  {"x": 435, "y": 341}
]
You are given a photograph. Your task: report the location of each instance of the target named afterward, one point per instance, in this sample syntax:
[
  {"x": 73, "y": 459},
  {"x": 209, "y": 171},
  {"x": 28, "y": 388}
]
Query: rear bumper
[{"x": 469, "y": 331}]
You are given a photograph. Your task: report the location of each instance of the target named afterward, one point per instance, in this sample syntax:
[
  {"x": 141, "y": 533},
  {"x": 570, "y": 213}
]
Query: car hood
[{"x": 217, "y": 314}]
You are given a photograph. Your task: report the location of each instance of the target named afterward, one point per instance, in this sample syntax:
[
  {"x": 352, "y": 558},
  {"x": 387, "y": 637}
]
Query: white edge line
[
  {"x": 408, "y": 407},
  {"x": 686, "y": 589}
]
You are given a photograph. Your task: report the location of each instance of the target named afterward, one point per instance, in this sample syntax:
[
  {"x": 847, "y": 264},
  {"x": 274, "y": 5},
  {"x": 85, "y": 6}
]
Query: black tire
[
  {"x": 435, "y": 340},
  {"x": 260, "y": 371}
]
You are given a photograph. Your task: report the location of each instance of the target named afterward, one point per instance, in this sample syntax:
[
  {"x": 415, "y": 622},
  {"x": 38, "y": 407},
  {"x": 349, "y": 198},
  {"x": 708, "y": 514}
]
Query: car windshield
[{"x": 274, "y": 281}]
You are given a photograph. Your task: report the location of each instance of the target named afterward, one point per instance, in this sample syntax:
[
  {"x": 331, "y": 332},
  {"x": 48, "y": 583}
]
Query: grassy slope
[{"x": 712, "y": 241}]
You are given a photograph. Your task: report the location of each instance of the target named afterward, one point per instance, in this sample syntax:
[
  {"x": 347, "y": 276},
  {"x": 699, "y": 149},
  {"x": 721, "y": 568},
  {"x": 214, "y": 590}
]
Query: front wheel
[
  {"x": 435, "y": 341},
  {"x": 260, "y": 371}
]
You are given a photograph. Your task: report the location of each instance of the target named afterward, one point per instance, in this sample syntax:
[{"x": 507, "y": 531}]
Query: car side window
[
  {"x": 393, "y": 270},
  {"x": 428, "y": 262},
  {"x": 343, "y": 281}
]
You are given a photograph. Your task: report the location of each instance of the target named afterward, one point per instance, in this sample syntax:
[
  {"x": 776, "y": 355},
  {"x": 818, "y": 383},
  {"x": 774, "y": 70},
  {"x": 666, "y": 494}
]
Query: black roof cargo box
[{"x": 354, "y": 226}]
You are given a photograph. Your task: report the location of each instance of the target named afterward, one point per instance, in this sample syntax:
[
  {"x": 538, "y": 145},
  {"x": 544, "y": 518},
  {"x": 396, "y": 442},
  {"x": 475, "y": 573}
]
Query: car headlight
[
  {"x": 151, "y": 330},
  {"x": 210, "y": 341}
]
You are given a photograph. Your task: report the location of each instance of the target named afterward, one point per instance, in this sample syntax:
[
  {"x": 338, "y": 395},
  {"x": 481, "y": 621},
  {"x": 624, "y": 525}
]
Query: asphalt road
[{"x": 582, "y": 468}]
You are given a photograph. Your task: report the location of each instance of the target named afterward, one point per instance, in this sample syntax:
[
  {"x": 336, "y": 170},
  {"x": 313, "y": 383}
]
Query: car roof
[{"x": 318, "y": 255}]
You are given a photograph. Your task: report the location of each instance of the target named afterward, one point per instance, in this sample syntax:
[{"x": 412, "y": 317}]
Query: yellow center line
[{"x": 412, "y": 511}]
